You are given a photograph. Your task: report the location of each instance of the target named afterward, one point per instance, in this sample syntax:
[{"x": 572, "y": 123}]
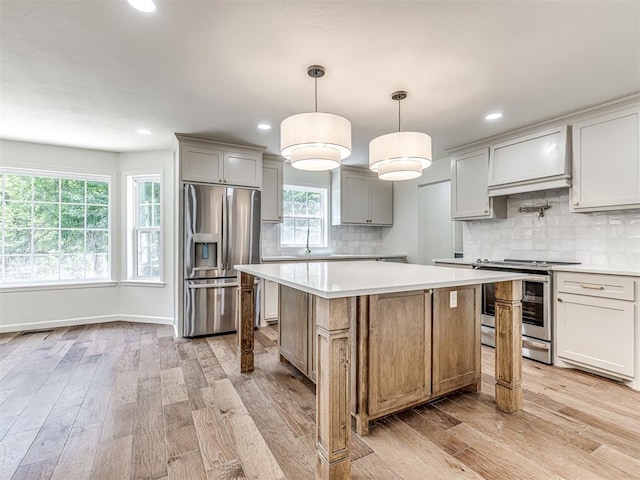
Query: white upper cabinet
[
  {"x": 469, "y": 198},
  {"x": 606, "y": 165},
  {"x": 272, "y": 188},
  {"x": 201, "y": 164},
  {"x": 207, "y": 161},
  {"x": 526, "y": 164},
  {"x": 242, "y": 169},
  {"x": 358, "y": 197}
]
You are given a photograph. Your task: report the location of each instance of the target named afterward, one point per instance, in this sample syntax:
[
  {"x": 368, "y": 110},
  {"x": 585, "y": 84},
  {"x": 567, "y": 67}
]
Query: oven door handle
[
  {"x": 535, "y": 345},
  {"x": 538, "y": 278}
]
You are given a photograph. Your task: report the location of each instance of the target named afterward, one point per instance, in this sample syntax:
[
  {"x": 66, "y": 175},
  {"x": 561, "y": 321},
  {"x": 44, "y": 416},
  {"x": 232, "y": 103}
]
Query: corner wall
[
  {"x": 403, "y": 236},
  {"x": 31, "y": 308}
]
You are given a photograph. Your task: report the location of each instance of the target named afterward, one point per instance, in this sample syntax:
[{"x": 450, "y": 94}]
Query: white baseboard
[{"x": 70, "y": 322}]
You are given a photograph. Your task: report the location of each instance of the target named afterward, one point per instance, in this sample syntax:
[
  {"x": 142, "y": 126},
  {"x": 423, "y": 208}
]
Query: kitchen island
[{"x": 334, "y": 286}]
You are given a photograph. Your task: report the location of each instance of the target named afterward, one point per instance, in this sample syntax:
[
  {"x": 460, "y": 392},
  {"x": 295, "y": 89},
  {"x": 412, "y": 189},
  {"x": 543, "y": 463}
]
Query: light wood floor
[{"x": 126, "y": 400}]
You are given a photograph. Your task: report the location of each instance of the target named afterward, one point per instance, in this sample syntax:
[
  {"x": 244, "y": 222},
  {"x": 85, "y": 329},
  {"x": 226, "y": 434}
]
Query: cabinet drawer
[{"x": 596, "y": 285}]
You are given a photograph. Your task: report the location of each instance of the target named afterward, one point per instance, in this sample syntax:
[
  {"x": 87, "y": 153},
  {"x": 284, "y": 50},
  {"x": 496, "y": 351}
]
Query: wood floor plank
[
  {"x": 36, "y": 471},
  {"x": 149, "y": 452},
  {"x": 216, "y": 445},
  {"x": 436, "y": 434},
  {"x": 613, "y": 457},
  {"x": 253, "y": 452},
  {"x": 422, "y": 458},
  {"x": 227, "y": 359},
  {"x": 13, "y": 447},
  {"x": 118, "y": 422},
  {"x": 180, "y": 432},
  {"x": 174, "y": 389},
  {"x": 512, "y": 463},
  {"x": 285, "y": 445},
  {"x": 113, "y": 459},
  {"x": 188, "y": 465},
  {"x": 53, "y": 435},
  {"x": 76, "y": 459},
  {"x": 37, "y": 410},
  {"x": 551, "y": 447},
  {"x": 372, "y": 467},
  {"x": 210, "y": 365}
]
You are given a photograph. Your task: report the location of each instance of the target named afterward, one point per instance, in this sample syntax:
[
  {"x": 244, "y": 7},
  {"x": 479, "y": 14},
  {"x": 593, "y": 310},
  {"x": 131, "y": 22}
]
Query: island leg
[
  {"x": 509, "y": 346},
  {"x": 246, "y": 321},
  {"x": 333, "y": 389}
]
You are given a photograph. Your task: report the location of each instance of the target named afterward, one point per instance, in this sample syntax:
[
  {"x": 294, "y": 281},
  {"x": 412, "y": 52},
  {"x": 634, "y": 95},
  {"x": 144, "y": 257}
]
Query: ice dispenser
[{"x": 206, "y": 257}]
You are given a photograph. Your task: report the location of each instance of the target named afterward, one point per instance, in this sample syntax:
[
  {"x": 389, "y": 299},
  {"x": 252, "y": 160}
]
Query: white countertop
[
  {"x": 350, "y": 279},
  {"x": 630, "y": 271},
  {"x": 330, "y": 256}
]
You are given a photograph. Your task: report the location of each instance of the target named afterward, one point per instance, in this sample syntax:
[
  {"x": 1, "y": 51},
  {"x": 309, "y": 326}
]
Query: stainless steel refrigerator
[{"x": 221, "y": 229}]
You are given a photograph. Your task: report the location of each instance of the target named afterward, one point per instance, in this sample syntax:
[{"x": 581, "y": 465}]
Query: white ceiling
[{"x": 89, "y": 73}]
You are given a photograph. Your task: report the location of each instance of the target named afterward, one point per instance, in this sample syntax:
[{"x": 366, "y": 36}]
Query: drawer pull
[
  {"x": 592, "y": 287},
  {"x": 560, "y": 300}
]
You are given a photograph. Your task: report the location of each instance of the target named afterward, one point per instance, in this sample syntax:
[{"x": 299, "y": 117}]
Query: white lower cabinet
[
  {"x": 596, "y": 322},
  {"x": 269, "y": 302}
]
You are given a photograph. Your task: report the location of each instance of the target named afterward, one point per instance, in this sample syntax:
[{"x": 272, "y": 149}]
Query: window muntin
[
  {"x": 305, "y": 216},
  {"x": 54, "y": 227},
  {"x": 147, "y": 227}
]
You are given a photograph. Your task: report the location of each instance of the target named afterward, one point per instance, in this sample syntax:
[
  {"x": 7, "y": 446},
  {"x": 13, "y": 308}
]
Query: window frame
[
  {"x": 57, "y": 283},
  {"x": 132, "y": 179},
  {"x": 324, "y": 192}
]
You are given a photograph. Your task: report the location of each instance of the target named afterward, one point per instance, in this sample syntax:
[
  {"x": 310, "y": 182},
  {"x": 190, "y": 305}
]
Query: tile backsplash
[
  {"x": 600, "y": 238},
  {"x": 343, "y": 239}
]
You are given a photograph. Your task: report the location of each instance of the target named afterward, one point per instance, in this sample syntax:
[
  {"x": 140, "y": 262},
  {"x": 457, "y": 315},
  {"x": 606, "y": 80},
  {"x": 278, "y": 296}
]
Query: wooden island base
[{"x": 401, "y": 349}]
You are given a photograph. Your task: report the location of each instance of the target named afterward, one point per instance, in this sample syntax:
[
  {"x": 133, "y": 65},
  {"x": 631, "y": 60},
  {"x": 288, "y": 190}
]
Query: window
[
  {"x": 305, "y": 217},
  {"x": 54, "y": 227},
  {"x": 144, "y": 227}
]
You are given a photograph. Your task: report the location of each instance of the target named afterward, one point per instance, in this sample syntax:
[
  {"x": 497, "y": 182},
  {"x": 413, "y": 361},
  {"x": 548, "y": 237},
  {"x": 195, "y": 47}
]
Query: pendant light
[
  {"x": 315, "y": 141},
  {"x": 400, "y": 155}
]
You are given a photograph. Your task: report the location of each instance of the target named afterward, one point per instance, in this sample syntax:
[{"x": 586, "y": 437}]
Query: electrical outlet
[{"x": 453, "y": 299}]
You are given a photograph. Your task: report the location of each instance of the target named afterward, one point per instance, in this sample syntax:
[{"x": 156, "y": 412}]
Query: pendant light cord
[
  {"x": 316, "y": 92},
  {"x": 399, "y": 115}
]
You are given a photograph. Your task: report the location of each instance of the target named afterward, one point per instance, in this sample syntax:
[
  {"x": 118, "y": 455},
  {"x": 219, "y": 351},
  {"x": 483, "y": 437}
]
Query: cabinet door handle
[
  {"x": 220, "y": 180},
  {"x": 592, "y": 287},
  {"x": 560, "y": 300}
]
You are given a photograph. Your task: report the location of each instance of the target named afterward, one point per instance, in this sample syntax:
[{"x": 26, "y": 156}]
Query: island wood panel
[
  {"x": 399, "y": 351},
  {"x": 456, "y": 339},
  {"x": 333, "y": 389},
  {"x": 293, "y": 327},
  {"x": 509, "y": 397},
  {"x": 246, "y": 321}
]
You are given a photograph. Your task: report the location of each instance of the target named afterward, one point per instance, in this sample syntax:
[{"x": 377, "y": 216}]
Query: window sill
[
  {"x": 143, "y": 283},
  {"x": 56, "y": 286}
]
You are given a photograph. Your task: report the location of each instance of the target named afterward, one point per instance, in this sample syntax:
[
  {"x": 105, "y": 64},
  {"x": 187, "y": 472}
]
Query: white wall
[
  {"x": 403, "y": 236},
  {"x": 601, "y": 238},
  {"x": 146, "y": 302},
  {"x": 343, "y": 239},
  {"x": 46, "y": 307}
]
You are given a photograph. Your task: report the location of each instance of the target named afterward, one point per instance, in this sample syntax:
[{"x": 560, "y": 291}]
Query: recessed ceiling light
[
  {"x": 493, "y": 116},
  {"x": 264, "y": 126},
  {"x": 146, "y": 6},
  {"x": 143, "y": 131}
]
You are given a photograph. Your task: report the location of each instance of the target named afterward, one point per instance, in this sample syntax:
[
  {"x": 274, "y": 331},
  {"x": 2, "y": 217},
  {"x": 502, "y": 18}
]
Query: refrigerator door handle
[{"x": 228, "y": 221}]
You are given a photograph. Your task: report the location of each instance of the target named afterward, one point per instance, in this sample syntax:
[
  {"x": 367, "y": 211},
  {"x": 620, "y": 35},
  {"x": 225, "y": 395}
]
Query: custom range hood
[{"x": 539, "y": 161}]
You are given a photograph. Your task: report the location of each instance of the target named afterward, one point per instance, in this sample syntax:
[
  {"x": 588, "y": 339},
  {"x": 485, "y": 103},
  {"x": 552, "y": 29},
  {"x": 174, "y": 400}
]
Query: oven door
[{"x": 536, "y": 306}]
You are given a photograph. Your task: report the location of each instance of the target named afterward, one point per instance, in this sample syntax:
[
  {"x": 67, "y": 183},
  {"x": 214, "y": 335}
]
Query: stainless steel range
[{"x": 537, "y": 321}]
